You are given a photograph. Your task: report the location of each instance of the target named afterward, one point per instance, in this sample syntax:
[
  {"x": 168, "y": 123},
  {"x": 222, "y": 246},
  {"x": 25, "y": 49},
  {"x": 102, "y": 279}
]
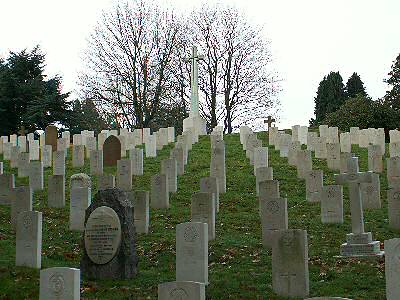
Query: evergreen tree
[
  {"x": 355, "y": 86},
  {"x": 85, "y": 116},
  {"x": 392, "y": 96},
  {"x": 26, "y": 98},
  {"x": 330, "y": 96}
]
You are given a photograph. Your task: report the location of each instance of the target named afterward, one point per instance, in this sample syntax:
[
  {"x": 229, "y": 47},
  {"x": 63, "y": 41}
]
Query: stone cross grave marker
[
  {"x": 359, "y": 243},
  {"x": 109, "y": 237},
  {"x": 111, "y": 151},
  {"x": 194, "y": 88},
  {"x": 269, "y": 121}
]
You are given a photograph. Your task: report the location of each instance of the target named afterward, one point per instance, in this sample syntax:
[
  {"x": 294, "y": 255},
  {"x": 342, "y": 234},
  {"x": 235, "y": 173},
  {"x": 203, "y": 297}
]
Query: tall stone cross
[
  {"x": 269, "y": 121},
  {"x": 353, "y": 177},
  {"x": 194, "y": 76}
]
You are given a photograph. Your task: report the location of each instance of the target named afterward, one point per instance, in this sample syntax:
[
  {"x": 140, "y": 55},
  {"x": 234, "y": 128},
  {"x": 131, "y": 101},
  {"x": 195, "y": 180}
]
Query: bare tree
[
  {"x": 129, "y": 62},
  {"x": 236, "y": 78}
]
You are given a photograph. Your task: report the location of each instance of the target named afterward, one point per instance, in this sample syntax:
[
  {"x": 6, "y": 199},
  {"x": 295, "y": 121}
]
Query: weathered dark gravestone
[
  {"x": 51, "y": 136},
  {"x": 109, "y": 250},
  {"x": 111, "y": 151}
]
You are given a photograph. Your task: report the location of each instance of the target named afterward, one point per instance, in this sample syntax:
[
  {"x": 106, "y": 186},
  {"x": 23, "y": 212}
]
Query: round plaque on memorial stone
[{"x": 102, "y": 235}]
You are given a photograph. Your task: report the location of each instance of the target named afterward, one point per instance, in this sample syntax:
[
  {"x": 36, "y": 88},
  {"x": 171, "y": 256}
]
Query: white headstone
[
  {"x": 96, "y": 162},
  {"x": 392, "y": 268},
  {"x": 124, "y": 174},
  {"x": 21, "y": 201},
  {"x": 332, "y": 204},
  {"x": 60, "y": 283},
  {"x": 181, "y": 290},
  {"x": 80, "y": 199},
  {"x": 192, "y": 252},
  {"x": 159, "y": 191},
  {"x": 314, "y": 183},
  {"x": 36, "y": 175},
  {"x": 56, "y": 191},
  {"x": 29, "y": 239},
  {"x": 290, "y": 263}
]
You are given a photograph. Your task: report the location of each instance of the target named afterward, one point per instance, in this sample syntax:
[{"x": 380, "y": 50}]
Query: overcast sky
[{"x": 309, "y": 38}]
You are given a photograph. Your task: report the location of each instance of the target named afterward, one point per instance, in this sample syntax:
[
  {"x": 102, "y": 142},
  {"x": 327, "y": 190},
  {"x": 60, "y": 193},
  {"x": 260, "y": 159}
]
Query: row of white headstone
[
  {"x": 364, "y": 188},
  {"x": 192, "y": 237},
  {"x": 290, "y": 276}
]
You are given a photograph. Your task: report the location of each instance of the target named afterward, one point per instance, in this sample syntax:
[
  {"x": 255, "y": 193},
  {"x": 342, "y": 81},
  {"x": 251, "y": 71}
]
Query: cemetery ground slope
[{"x": 239, "y": 267}]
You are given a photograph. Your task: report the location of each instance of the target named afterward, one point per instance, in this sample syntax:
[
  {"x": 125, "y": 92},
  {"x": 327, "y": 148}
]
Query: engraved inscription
[
  {"x": 273, "y": 206},
  {"x": 179, "y": 294},
  {"x": 102, "y": 235},
  {"x": 56, "y": 285},
  {"x": 190, "y": 234}
]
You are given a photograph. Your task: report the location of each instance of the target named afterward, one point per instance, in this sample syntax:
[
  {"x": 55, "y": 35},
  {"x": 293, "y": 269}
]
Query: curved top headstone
[
  {"x": 80, "y": 180},
  {"x": 111, "y": 151},
  {"x": 51, "y": 136}
]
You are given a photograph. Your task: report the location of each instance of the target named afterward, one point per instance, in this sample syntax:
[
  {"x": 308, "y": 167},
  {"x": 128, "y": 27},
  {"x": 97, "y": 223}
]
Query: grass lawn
[{"x": 239, "y": 267}]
